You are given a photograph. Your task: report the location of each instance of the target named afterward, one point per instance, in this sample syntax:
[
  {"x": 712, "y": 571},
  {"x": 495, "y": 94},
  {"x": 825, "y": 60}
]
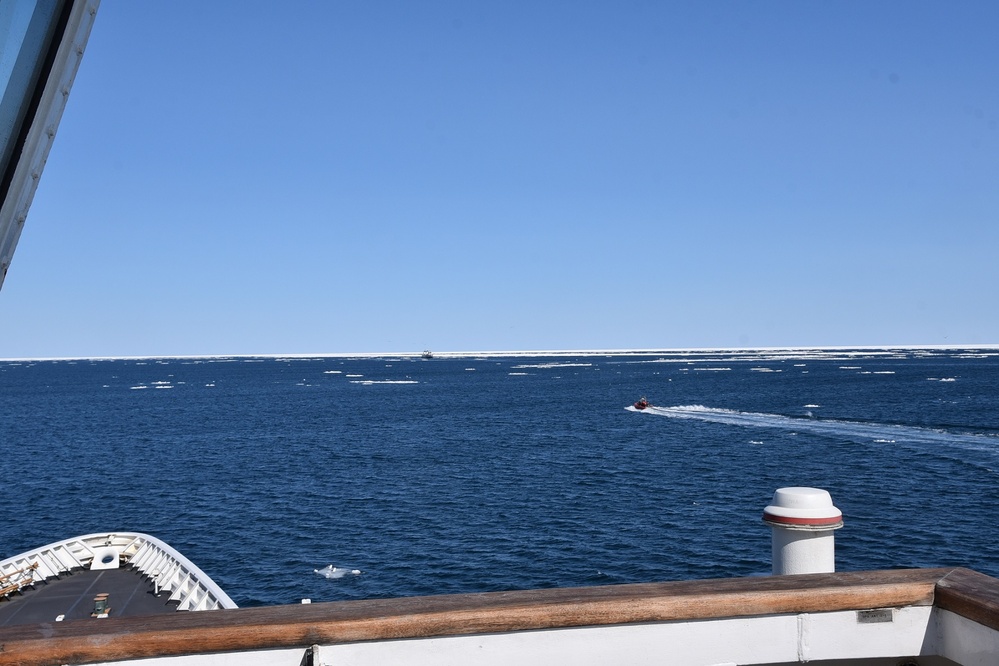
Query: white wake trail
[{"x": 853, "y": 430}]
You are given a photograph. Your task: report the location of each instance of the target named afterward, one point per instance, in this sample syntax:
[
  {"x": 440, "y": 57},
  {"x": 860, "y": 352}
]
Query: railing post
[{"x": 802, "y": 521}]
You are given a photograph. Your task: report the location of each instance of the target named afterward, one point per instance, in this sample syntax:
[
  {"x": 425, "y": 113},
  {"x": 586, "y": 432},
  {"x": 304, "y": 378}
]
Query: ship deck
[
  {"x": 934, "y": 617},
  {"x": 130, "y": 594}
]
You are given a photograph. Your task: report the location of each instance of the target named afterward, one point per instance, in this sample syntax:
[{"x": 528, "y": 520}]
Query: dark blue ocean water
[{"x": 496, "y": 473}]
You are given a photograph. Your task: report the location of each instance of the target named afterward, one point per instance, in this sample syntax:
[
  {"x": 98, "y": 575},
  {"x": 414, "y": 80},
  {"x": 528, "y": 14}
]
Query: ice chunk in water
[{"x": 336, "y": 572}]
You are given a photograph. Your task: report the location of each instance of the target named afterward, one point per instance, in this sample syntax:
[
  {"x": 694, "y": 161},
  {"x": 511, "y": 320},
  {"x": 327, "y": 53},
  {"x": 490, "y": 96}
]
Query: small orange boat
[{"x": 642, "y": 404}]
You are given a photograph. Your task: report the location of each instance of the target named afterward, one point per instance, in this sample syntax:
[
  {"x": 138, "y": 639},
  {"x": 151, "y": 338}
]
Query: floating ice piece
[
  {"x": 336, "y": 572},
  {"x": 372, "y": 382}
]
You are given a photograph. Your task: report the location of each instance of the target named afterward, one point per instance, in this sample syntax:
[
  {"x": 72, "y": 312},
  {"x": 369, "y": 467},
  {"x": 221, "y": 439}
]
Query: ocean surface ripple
[{"x": 428, "y": 478}]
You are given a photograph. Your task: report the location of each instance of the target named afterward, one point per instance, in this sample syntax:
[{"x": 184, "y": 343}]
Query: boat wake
[{"x": 853, "y": 430}]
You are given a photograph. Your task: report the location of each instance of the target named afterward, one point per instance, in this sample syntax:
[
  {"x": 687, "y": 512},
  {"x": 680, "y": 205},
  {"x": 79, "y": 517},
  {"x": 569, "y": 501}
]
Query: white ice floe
[
  {"x": 371, "y": 382},
  {"x": 545, "y": 366},
  {"x": 333, "y": 372},
  {"x": 667, "y": 355},
  {"x": 336, "y": 572}
]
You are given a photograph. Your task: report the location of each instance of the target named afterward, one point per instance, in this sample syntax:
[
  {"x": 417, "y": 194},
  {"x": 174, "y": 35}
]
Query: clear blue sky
[{"x": 259, "y": 177}]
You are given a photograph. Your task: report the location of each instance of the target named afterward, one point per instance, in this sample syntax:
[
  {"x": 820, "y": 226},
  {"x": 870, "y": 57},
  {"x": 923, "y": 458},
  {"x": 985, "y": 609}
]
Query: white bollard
[{"x": 802, "y": 521}]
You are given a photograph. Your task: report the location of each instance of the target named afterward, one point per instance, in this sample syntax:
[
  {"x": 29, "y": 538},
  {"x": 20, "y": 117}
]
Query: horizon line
[{"x": 516, "y": 353}]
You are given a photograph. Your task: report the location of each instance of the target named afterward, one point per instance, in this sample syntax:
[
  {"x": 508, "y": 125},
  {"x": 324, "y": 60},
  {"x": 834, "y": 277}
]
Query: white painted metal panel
[
  {"x": 758, "y": 640},
  {"x": 14, "y": 210},
  {"x": 965, "y": 641},
  {"x": 291, "y": 657},
  {"x": 841, "y": 636}
]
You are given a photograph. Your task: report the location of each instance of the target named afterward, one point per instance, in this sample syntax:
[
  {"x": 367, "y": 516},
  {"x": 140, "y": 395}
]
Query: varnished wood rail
[
  {"x": 962, "y": 591},
  {"x": 970, "y": 594}
]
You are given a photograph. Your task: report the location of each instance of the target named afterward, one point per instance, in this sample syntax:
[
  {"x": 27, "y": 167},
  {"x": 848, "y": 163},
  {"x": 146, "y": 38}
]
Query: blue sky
[{"x": 251, "y": 177}]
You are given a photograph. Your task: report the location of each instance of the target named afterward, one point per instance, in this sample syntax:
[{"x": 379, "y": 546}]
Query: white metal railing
[{"x": 172, "y": 572}]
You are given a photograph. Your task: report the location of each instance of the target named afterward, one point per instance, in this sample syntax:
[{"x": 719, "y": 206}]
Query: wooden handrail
[
  {"x": 970, "y": 594},
  {"x": 302, "y": 625}
]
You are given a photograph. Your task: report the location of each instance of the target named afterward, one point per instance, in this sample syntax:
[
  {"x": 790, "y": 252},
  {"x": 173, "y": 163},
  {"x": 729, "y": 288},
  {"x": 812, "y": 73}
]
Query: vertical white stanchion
[{"x": 802, "y": 521}]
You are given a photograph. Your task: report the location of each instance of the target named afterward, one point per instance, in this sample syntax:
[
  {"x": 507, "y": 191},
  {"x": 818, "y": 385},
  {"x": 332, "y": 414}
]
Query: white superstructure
[{"x": 32, "y": 98}]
